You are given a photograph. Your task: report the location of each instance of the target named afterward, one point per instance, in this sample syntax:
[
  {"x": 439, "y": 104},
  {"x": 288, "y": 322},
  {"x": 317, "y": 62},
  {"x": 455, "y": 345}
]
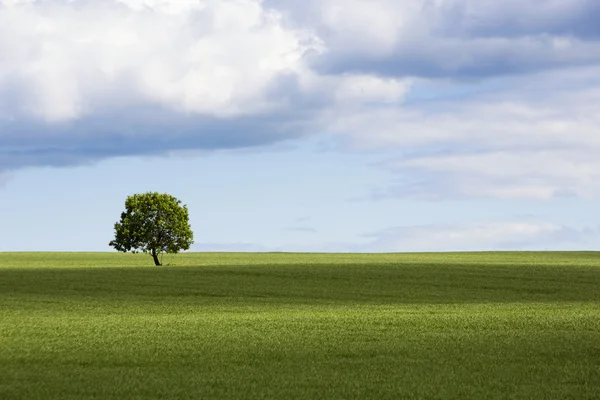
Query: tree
[{"x": 153, "y": 223}]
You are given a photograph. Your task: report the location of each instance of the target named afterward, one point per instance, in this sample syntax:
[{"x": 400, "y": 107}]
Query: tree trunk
[{"x": 155, "y": 256}]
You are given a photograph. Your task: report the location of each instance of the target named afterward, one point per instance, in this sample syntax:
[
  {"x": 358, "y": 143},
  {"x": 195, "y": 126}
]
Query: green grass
[{"x": 292, "y": 326}]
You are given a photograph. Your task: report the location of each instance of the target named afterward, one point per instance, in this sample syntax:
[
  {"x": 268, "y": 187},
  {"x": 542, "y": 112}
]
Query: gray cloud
[
  {"x": 145, "y": 131},
  {"x": 451, "y": 38},
  {"x": 476, "y": 59},
  {"x": 513, "y": 18}
]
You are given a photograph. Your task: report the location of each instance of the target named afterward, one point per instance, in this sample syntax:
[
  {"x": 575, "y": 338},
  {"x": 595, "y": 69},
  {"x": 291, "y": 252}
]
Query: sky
[{"x": 303, "y": 125}]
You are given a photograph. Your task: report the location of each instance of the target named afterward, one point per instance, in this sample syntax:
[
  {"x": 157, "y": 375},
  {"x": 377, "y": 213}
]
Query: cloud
[
  {"x": 527, "y": 174},
  {"x": 493, "y": 235},
  {"x": 211, "y": 57},
  {"x": 146, "y": 131},
  {"x": 534, "y": 137},
  {"x": 507, "y": 235},
  {"x": 499, "y": 97},
  {"x": 82, "y": 80},
  {"x": 4, "y": 177},
  {"x": 301, "y": 229},
  {"x": 453, "y": 38},
  {"x": 466, "y": 98},
  {"x": 512, "y": 17}
]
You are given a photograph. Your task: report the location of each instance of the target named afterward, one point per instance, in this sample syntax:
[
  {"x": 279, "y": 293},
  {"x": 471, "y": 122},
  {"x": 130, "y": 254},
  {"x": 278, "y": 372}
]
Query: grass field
[{"x": 295, "y": 326}]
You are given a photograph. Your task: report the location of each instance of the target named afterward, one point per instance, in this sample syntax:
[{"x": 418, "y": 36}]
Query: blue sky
[{"x": 287, "y": 125}]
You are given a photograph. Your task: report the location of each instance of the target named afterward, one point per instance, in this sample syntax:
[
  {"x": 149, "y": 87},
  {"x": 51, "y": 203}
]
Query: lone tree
[{"x": 153, "y": 223}]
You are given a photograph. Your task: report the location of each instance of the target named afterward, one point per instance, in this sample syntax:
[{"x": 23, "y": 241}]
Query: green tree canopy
[{"x": 153, "y": 223}]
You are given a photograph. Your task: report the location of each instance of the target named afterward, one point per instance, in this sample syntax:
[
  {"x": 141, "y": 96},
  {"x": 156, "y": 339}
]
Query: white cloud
[
  {"x": 491, "y": 235},
  {"x": 217, "y": 57},
  {"x": 370, "y": 27},
  {"x": 165, "y": 6},
  {"x": 529, "y": 174},
  {"x": 369, "y": 88},
  {"x": 536, "y": 137},
  {"x": 477, "y": 236}
]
